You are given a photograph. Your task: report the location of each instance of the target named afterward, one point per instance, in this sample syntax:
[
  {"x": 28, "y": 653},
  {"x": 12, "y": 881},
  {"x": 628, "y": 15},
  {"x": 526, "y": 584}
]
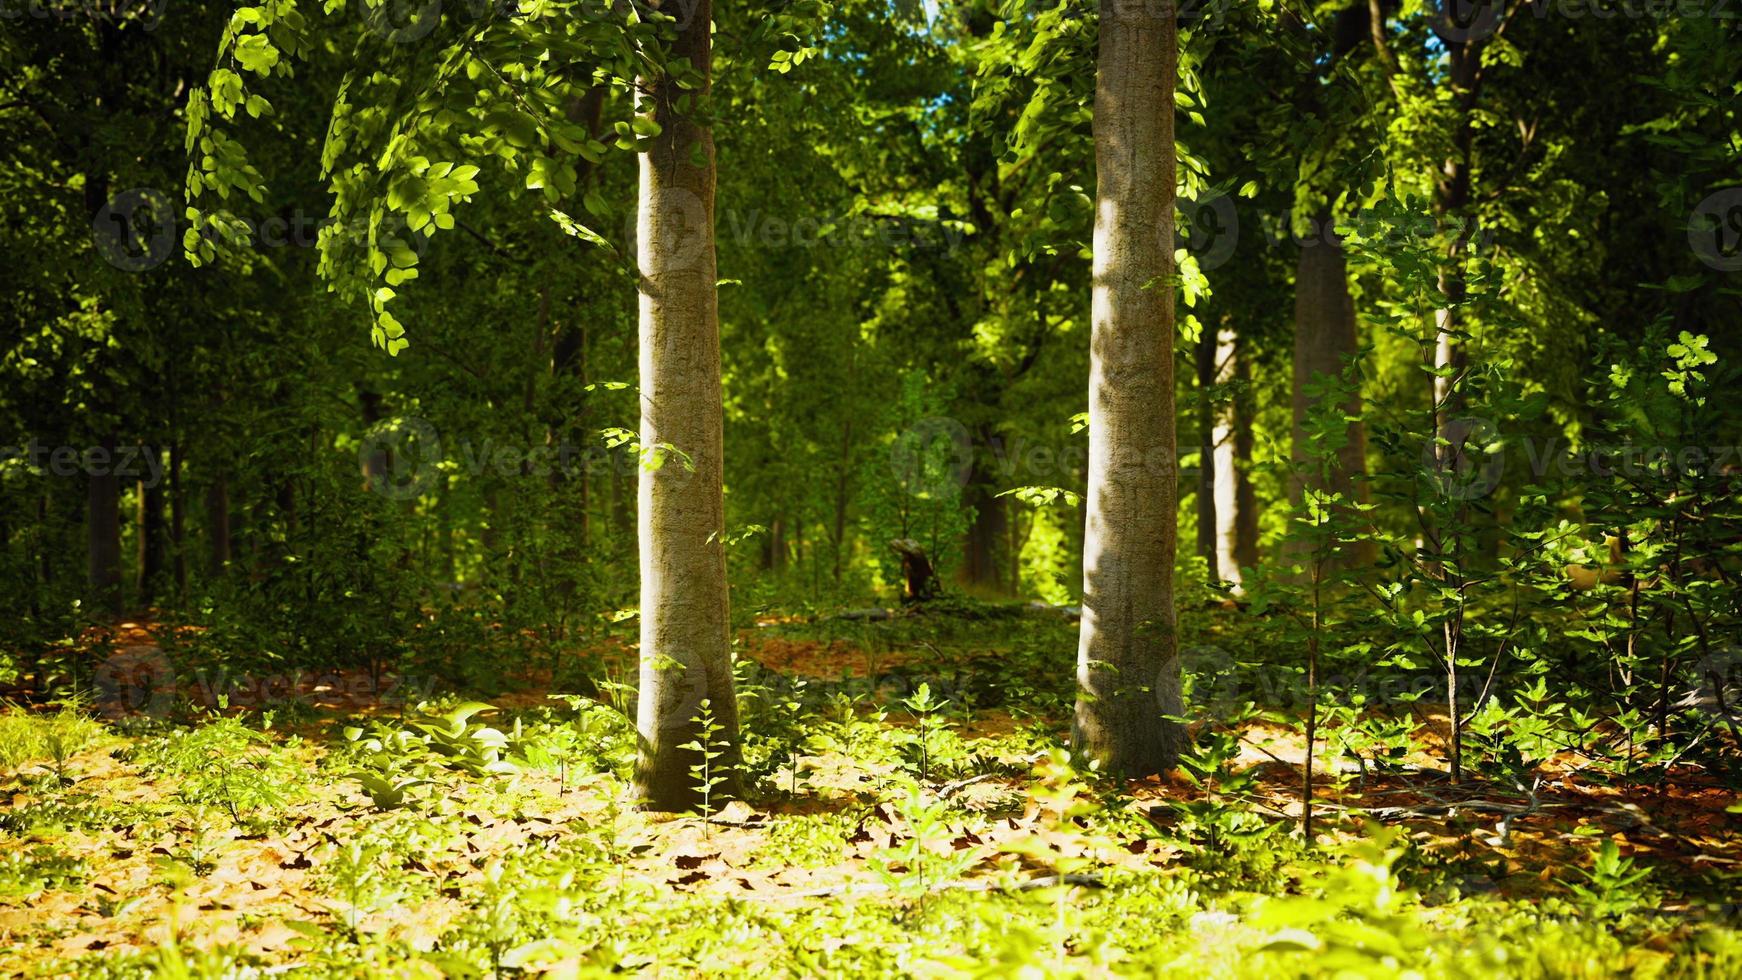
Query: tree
[
  {"x": 1127, "y": 656},
  {"x": 686, "y": 647},
  {"x": 1326, "y": 331},
  {"x": 1326, "y": 335},
  {"x": 1236, "y": 500}
]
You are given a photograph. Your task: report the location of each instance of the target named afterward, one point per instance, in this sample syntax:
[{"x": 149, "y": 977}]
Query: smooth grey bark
[
  {"x": 1236, "y": 501},
  {"x": 1128, "y": 673},
  {"x": 686, "y": 651}
]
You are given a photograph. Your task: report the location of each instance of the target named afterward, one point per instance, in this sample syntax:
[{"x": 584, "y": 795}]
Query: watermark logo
[
  {"x": 1717, "y": 676},
  {"x": 933, "y": 458},
  {"x": 135, "y": 230},
  {"x": 1209, "y": 228},
  {"x": 136, "y": 679},
  {"x": 1463, "y": 21},
  {"x": 402, "y": 21},
  {"x": 405, "y": 21},
  {"x": 1715, "y": 230},
  {"x": 399, "y": 457},
  {"x": 1464, "y": 460},
  {"x": 681, "y": 229}
]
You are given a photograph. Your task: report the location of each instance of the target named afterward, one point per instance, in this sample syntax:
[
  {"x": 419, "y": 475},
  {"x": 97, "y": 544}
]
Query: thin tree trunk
[
  {"x": 1127, "y": 658},
  {"x": 103, "y": 534},
  {"x": 686, "y": 651},
  {"x": 152, "y": 527},
  {"x": 1236, "y": 532}
]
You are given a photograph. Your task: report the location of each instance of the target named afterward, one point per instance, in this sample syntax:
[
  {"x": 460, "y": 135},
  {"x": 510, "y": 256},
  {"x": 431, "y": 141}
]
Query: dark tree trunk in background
[
  {"x": 981, "y": 567},
  {"x": 376, "y": 462},
  {"x": 774, "y": 551},
  {"x": 1325, "y": 336},
  {"x": 287, "y": 510},
  {"x": 103, "y": 534},
  {"x": 153, "y": 532}
]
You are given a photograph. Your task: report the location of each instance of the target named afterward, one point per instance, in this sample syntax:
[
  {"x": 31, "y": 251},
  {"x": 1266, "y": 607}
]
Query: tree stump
[{"x": 920, "y": 580}]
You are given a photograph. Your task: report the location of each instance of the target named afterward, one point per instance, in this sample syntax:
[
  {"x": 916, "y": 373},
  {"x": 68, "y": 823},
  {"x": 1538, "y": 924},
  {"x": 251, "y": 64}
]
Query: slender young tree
[
  {"x": 1128, "y": 656},
  {"x": 686, "y": 652},
  {"x": 1236, "y": 506}
]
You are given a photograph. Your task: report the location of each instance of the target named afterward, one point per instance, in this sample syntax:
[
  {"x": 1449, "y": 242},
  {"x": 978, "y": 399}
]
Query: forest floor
[{"x": 345, "y": 831}]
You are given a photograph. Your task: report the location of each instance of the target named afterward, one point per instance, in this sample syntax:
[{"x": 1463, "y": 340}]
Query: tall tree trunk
[
  {"x": 1208, "y": 502},
  {"x": 1324, "y": 337},
  {"x": 1128, "y": 671},
  {"x": 981, "y": 565},
  {"x": 1231, "y": 438},
  {"x": 686, "y": 650},
  {"x": 103, "y": 535}
]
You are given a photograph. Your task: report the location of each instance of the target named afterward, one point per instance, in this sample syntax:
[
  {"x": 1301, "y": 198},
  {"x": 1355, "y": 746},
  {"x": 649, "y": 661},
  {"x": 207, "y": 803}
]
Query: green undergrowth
[{"x": 879, "y": 840}]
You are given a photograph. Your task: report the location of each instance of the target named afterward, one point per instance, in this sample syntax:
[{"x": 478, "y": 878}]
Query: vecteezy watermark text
[{"x": 142, "y": 463}]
